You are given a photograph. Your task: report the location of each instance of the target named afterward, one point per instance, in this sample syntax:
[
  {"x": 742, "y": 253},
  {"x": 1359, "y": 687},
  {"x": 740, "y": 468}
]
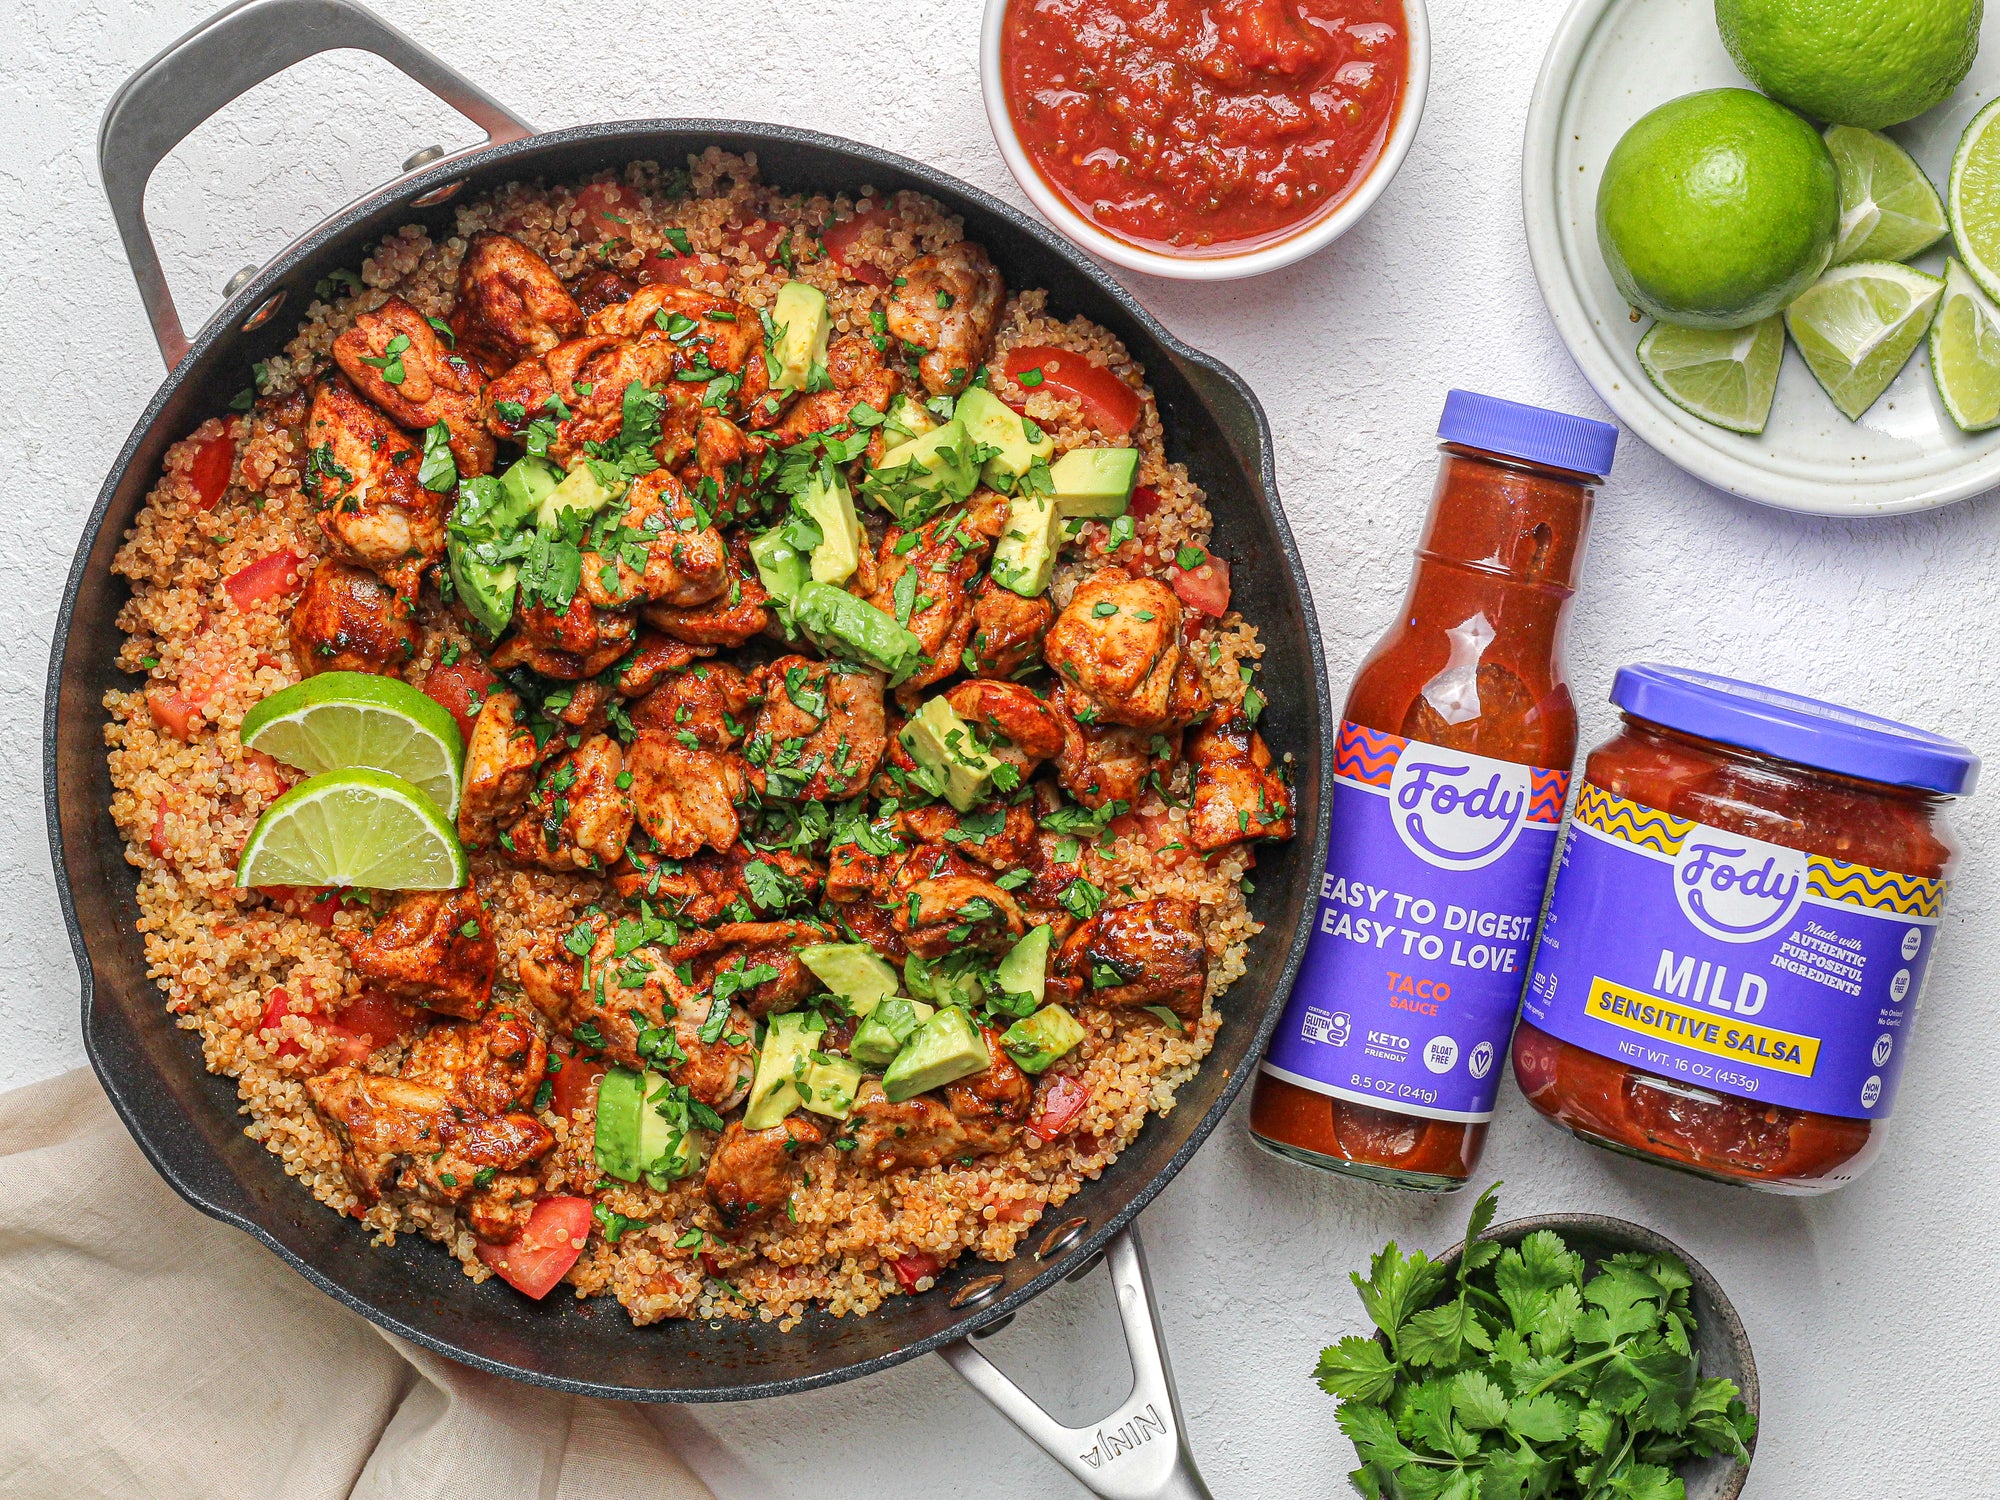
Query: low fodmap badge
[
  {"x": 1738, "y": 965},
  {"x": 1435, "y": 869}
]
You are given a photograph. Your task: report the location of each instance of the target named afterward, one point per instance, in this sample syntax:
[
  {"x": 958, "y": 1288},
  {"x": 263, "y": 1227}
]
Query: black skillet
[{"x": 185, "y": 1118}]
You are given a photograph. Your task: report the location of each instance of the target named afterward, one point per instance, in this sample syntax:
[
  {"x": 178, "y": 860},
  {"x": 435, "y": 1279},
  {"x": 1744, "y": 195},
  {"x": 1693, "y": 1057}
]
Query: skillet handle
[
  {"x": 224, "y": 57},
  {"x": 1140, "y": 1451}
]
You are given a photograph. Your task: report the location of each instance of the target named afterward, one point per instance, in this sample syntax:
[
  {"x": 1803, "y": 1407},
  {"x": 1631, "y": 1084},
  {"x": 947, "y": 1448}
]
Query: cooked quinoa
[{"x": 208, "y": 641}]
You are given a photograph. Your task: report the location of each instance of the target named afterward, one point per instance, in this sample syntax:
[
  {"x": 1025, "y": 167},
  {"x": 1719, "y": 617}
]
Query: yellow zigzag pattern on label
[{"x": 1830, "y": 879}]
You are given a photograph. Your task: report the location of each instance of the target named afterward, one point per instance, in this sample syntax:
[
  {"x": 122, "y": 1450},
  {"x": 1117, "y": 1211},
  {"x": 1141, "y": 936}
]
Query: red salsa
[{"x": 1204, "y": 128}]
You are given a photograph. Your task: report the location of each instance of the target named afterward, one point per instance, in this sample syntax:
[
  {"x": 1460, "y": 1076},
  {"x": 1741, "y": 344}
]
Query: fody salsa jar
[
  {"x": 1450, "y": 772},
  {"x": 1742, "y": 919}
]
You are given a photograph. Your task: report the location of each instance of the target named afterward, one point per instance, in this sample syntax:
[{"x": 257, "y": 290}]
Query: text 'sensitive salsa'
[{"x": 1204, "y": 128}]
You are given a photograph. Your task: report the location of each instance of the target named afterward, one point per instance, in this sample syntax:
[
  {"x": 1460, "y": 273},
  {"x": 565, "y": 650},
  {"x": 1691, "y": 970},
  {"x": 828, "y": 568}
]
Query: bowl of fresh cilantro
[{"x": 1566, "y": 1357}]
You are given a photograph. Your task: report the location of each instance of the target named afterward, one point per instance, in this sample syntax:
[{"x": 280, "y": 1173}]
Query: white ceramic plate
[{"x": 1611, "y": 62}]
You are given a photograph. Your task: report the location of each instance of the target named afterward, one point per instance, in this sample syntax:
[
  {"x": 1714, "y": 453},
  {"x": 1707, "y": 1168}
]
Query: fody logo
[
  {"x": 1457, "y": 811},
  {"x": 1737, "y": 889}
]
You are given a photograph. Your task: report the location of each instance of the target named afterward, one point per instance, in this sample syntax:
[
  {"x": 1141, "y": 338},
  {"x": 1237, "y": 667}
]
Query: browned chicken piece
[
  {"x": 396, "y": 359},
  {"x": 499, "y": 768},
  {"x": 948, "y": 303},
  {"x": 651, "y": 658},
  {"x": 753, "y": 1172},
  {"x": 1143, "y": 953},
  {"x": 859, "y": 376},
  {"x": 578, "y": 817},
  {"x": 1236, "y": 796},
  {"x": 935, "y": 604},
  {"x": 821, "y": 730},
  {"x": 750, "y": 948},
  {"x": 710, "y": 701},
  {"x": 1118, "y": 648},
  {"x": 1000, "y": 835},
  {"x": 361, "y": 474},
  {"x": 854, "y": 874},
  {"x": 578, "y": 387},
  {"x": 599, "y": 288},
  {"x": 926, "y": 1131},
  {"x": 944, "y": 902},
  {"x": 707, "y": 886},
  {"x": 456, "y": 1113},
  {"x": 1023, "y": 729},
  {"x": 686, "y": 562},
  {"x": 348, "y": 620},
  {"x": 999, "y": 1097},
  {"x": 1102, "y": 763},
  {"x": 568, "y": 644},
  {"x": 725, "y": 466},
  {"x": 729, "y": 620},
  {"x": 1007, "y": 630},
  {"x": 433, "y": 947},
  {"x": 511, "y": 304},
  {"x": 685, "y": 797}
]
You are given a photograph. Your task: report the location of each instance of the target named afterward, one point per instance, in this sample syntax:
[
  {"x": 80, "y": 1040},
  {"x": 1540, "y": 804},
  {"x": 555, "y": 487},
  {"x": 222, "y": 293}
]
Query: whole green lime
[
  {"x": 1717, "y": 209},
  {"x": 1871, "y": 63}
]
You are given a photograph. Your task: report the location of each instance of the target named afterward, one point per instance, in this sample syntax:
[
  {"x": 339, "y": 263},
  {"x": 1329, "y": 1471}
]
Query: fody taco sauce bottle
[{"x": 1449, "y": 779}]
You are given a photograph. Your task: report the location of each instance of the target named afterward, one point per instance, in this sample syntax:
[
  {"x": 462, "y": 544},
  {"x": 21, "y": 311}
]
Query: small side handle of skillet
[
  {"x": 1140, "y": 1451},
  {"x": 224, "y": 57}
]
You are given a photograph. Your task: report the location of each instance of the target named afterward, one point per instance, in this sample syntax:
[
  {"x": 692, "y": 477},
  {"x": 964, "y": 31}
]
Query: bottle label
[
  {"x": 1435, "y": 870},
  {"x": 1739, "y": 966}
]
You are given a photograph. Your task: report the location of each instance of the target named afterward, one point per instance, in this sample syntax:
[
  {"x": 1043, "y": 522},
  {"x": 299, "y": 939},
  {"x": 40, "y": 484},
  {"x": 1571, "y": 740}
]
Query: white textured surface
[{"x": 1870, "y": 1310}]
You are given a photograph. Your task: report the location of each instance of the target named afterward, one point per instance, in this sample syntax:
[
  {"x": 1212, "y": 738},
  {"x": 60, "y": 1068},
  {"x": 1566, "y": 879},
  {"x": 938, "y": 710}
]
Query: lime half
[
  {"x": 341, "y": 719},
  {"x": 1965, "y": 352},
  {"x": 1973, "y": 199},
  {"x": 1857, "y": 325},
  {"x": 1888, "y": 208},
  {"x": 355, "y": 827},
  {"x": 1725, "y": 376}
]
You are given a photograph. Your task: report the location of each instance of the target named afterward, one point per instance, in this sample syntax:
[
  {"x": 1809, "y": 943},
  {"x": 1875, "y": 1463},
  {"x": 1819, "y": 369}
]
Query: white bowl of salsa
[{"x": 1182, "y": 141}]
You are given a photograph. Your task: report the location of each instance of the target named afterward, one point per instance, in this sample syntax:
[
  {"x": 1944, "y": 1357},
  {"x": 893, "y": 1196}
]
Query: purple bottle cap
[{"x": 1533, "y": 434}]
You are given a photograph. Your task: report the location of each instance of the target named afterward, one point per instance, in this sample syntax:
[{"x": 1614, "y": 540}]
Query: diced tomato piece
[
  {"x": 349, "y": 1046},
  {"x": 1145, "y": 500},
  {"x": 1109, "y": 404},
  {"x": 278, "y": 1005},
  {"x": 668, "y": 270},
  {"x": 376, "y": 1018},
  {"x": 1058, "y": 1103},
  {"x": 913, "y": 1268},
  {"x": 710, "y": 1264},
  {"x": 576, "y": 1085},
  {"x": 1019, "y": 1211},
  {"x": 841, "y": 236},
  {"x": 603, "y": 212},
  {"x": 460, "y": 689},
  {"x": 271, "y": 576},
  {"x": 316, "y": 903},
  {"x": 1206, "y": 588},
  {"x": 536, "y": 1259},
  {"x": 764, "y": 237},
  {"x": 209, "y": 472},
  {"x": 157, "y": 839},
  {"x": 172, "y": 712}
]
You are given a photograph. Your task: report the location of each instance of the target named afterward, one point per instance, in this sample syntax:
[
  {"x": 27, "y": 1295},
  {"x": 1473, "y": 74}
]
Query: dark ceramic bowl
[{"x": 1720, "y": 1338}]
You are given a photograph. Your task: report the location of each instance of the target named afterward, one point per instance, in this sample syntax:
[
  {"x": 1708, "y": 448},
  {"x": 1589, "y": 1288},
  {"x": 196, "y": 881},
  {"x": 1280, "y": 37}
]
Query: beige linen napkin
[{"x": 148, "y": 1351}]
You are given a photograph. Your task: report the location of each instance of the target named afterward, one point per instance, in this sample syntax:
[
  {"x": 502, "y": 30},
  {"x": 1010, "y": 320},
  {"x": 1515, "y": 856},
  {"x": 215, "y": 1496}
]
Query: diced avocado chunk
[
  {"x": 798, "y": 314},
  {"x": 904, "y": 420},
  {"x": 951, "y": 980},
  {"x": 666, "y": 1153},
  {"x": 853, "y": 971},
  {"x": 486, "y": 589},
  {"x": 781, "y": 567},
  {"x": 1039, "y": 1040},
  {"x": 1024, "y": 559},
  {"x": 830, "y": 504},
  {"x": 946, "y": 1048},
  {"x": 1025, "y": 969},
  {"x": 781, "y": 1063},
  {"x": 581, "y": 490},
  {"x": 992, "y": 423},
  {"x": 1095, "y": 482},
  {"x": 620, "y": 1098},
  {"x": 940, "y": 460},
  {"x": 943, "y": 743},
  {"x": 830, "y": 1084},
  {"x": 890, "y": 1024},
  {"x": 523, "y": 488},
  {"x": 837, "y": 622}
]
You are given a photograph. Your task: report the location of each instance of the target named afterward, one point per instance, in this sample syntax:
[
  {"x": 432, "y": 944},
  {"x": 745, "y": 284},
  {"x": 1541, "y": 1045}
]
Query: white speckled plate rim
[{"x": 1610, "y": 62}]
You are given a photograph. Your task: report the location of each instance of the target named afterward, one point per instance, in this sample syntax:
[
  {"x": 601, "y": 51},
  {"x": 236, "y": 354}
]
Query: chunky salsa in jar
[
  {"x": 1204, "y": 127},
  {"x": 1746, "y": 906},
  {"x": 1449, "y": 777}
]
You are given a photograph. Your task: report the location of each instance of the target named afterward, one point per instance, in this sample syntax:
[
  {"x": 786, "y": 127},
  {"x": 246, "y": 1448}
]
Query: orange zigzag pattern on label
[{"x": 1362, "y": 754}]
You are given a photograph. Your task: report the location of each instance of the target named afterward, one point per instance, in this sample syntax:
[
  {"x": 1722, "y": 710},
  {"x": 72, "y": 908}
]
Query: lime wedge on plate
[
  {"x": 341, "y": 719},
  {"x": 1965, "y": 352},
  {"x": 1857, "y": 325},
  {"x": 1723, "y": 375},
  {"x": 1888, "y": 208},
  {"x": 1972, "y": 199},
  {"x": 355, "y": 827}
]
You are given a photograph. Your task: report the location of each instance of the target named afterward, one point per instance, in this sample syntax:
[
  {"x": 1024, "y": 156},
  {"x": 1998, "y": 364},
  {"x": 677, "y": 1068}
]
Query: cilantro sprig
[{"x": 1526, "y": 1373}]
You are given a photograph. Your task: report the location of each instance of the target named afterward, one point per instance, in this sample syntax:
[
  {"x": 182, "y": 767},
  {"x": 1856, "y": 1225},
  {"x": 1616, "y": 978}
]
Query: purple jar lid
[
  {"x": 1795, "y": 728},
  {"x": 1531, "y": 433}
]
